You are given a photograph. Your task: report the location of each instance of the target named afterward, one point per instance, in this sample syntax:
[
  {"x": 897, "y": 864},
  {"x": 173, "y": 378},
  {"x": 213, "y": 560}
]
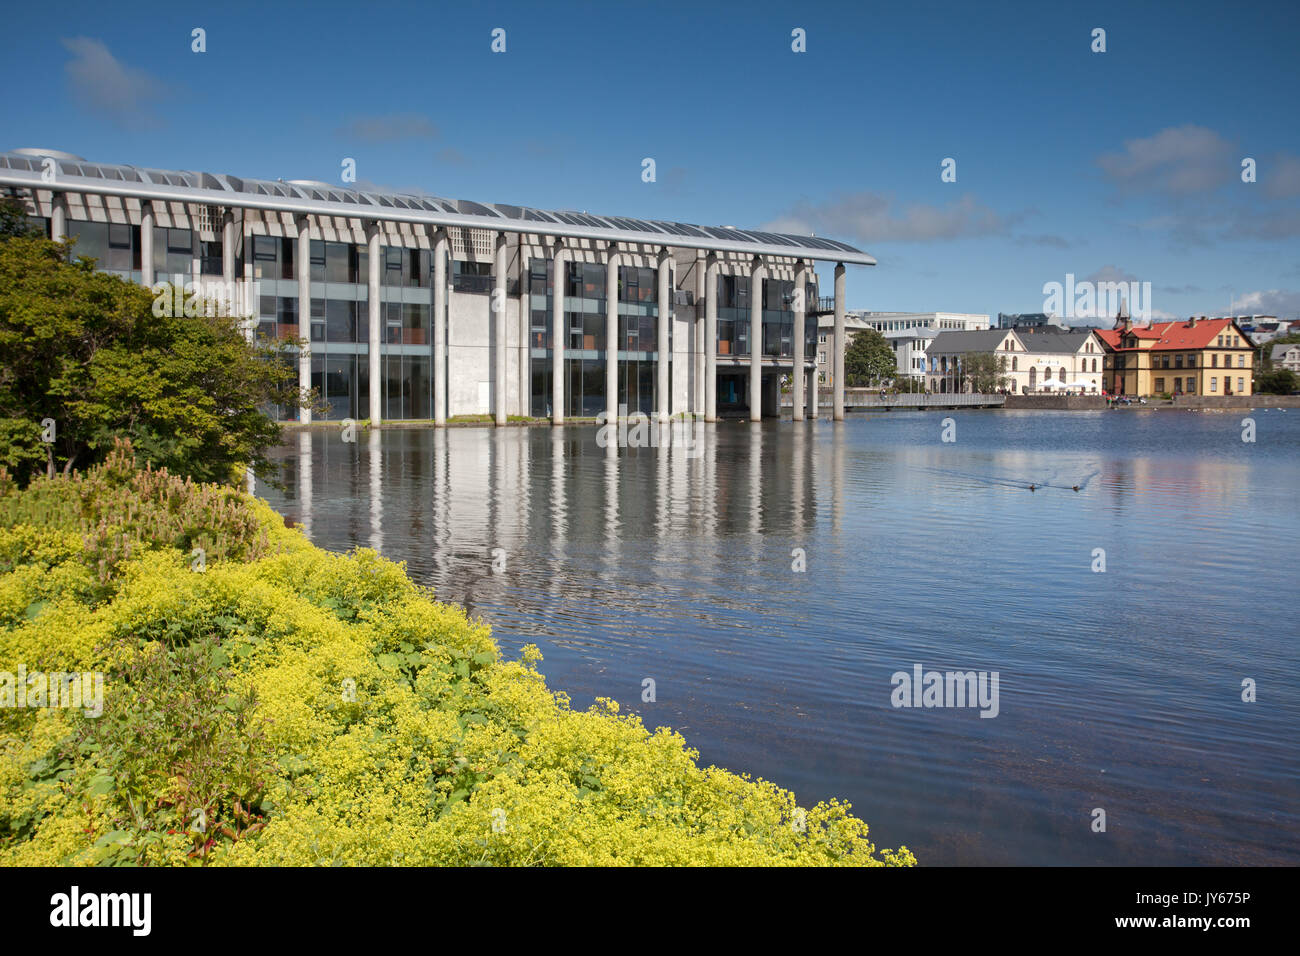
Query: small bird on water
[
  {"x": 1074, "y": 487},
  {"x": 1031, "y": 487}
]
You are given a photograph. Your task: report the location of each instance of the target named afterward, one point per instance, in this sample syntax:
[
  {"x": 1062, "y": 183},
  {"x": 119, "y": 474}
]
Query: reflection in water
[{"x": 1118, "y": 690}]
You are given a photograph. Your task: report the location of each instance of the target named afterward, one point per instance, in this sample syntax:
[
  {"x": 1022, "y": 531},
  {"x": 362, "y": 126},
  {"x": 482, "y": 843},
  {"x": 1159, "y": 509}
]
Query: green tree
[
  {"x": 1277, "y": 381},
  {"x": 868, "y": 360},
  {"x": 14, "y": 221},
  {"x": 984, "y": 371},
  {"x": 84, "y": 360}
]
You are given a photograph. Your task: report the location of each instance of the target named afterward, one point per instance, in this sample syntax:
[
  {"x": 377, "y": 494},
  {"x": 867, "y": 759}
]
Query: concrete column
[
  {"x": 697, "y": 335},
  {"x": 440, "y": 383},
  {"x": 756, "y": 276},
  {"x": 228, "y": 250},
  {"x": 499, "y": 330},
  {"x": 711, "y": 339},
  {"x": 302, "y": 267},
  {"x": 838, "y": 383},
  {"x": 812, "y": 393},
  {"x": 146, "y": 244},
  {"x": 800, "y": 309},
  {"x": 59, "y": 217},
  {"x": 376, "y": 329},
  {"x": 559, "y": 334},
  {"x": 611, "y": 333},
  {"x": 663, "y": 323}
]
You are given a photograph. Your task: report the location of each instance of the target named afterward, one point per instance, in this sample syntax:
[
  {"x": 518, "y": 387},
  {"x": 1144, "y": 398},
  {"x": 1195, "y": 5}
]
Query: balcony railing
[{"x": 472, "y": 283}]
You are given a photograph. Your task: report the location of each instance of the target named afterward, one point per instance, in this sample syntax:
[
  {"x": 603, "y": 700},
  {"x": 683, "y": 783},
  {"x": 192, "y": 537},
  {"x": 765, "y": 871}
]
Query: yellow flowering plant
[{"x": 290, "y": 706}]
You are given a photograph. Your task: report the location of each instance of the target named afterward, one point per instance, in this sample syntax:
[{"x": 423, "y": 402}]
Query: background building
[
  {"x": 1197, "y": 357},
  {"x": 1286, "y": 356},
  {"x": 908, "y": 333},
  {"x": 1054, "y": 362},
  {"x": 1026, "y": 320}
]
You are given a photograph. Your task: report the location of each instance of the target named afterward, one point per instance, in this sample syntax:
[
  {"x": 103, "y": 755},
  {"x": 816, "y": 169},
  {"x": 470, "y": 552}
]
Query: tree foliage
[
  {"x": 984, "y": 371},
  {"x": 84, "y": 360},
  {"x": 869, "y": 359},
  {"x": 1277, "y": 381},
  {"x": 14, "y": 220}
]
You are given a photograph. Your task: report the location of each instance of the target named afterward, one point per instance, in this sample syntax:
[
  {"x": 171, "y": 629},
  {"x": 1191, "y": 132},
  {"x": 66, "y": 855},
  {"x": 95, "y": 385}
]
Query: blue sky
[{"x": 1120, "y": 165}]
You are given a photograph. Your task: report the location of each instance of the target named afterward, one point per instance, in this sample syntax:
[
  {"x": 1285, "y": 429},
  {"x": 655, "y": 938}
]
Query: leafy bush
[
  {"x": 290, "y": 706},
  {"x": 85, "y": 350}
]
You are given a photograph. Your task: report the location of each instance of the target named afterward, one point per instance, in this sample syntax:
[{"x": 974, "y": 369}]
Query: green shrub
[{"x": 291, "y": 706}]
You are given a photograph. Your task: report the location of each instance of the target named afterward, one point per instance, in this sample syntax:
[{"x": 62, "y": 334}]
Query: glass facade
[
  {"x": 339, "y": 322},
  {"x": 337, "y": 319},
  {"x": 584, "y": 337},
  {"x": 777, "y": 313},
  {"x": 114, "y": 246}
]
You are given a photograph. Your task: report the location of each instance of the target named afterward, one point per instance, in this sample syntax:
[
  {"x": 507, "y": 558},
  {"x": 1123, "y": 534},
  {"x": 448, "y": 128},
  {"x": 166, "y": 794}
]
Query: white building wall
[{"x": 469, "y": 354}]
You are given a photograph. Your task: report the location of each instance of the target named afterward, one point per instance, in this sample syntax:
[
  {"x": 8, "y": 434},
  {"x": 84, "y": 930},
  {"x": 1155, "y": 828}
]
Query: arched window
[
  {"x": 1060, "y": 373},
  {"x": 1014, "y": 362}
]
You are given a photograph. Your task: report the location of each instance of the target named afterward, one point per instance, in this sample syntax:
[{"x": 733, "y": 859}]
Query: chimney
[{"x": 1191, "y": 323}]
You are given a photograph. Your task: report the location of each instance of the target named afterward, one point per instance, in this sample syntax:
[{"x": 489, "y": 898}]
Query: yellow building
[{"x": 1197, "y": 357}]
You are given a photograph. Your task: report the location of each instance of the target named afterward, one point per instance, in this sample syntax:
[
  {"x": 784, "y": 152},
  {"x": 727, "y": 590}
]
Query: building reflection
[{"x": 553, "y": 499}]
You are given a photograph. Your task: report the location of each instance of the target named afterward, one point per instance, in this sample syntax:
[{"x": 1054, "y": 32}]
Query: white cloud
[
  {"x": 1280, "y": 302},
  {"x": 1179, "y": 159},
  {"x": 1111, "y": 274},
  {"x": 1281, "y": 176},
  {"x": 103, "y": 84},
  {"x": 873, "y": 217},
  {"x": 389, "y": 129}
]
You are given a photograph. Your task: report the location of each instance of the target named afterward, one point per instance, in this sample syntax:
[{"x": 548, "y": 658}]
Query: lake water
[{"x": 1120, "y": 691}]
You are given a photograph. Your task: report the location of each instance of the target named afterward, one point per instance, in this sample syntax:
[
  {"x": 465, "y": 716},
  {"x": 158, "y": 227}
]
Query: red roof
[{"x": 1171, "y": 336}]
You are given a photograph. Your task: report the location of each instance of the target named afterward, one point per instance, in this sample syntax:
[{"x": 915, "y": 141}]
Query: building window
[
  {"x": 1160, "y": 385},
  {"x": 471, "y": 276},
  {"x": 1241, "y": 384},
  {"x": 1214, "y": 384}
]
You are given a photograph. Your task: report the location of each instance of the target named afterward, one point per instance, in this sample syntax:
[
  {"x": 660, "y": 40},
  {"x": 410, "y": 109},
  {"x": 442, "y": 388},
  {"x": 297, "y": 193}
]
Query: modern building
[
  {"x": 418, "y": 307},
  {"x": 1286, "y": 356},
  {"x": 1024, "y": 320},
  {"x": 908, "y": 333},
  {"x": 1065, "y": 362},
  {"x": 1198, "y": 357},
  {"x": 1260, "y": 328}
]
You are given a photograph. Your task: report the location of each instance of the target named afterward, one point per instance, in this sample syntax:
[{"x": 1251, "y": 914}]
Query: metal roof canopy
[{"x": 24, "y": 168}]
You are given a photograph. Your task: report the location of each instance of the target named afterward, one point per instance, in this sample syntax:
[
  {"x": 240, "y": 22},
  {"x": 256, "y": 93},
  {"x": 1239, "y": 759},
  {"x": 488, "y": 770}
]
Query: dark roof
[
  {"x": 970, "y": 340},
  {"x": 1058, "y": 342}
]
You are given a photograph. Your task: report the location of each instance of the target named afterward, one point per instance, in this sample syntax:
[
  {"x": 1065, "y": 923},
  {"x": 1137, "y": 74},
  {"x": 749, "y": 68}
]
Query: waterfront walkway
[{"x": 856, "y": 399}]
